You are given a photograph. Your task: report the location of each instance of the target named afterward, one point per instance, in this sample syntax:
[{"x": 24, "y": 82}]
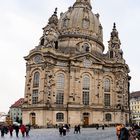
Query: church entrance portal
[
  {"x": 33, "y": 118},
  {"x": 86, "y": 118}
]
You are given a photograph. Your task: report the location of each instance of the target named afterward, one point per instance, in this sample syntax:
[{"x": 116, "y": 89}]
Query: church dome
[{"x": 80, "y": 22}]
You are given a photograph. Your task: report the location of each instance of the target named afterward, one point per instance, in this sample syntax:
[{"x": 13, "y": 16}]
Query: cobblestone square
[{"x": 53, "y": 134}]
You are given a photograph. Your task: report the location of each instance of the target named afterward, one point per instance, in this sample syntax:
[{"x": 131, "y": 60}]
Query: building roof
[
  {"x": 135, "y": 94},
  {"x": 18, "y": 103}
]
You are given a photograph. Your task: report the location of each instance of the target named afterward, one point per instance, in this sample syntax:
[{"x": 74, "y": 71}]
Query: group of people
[
  {"x": 23, "y": 128},
  {"x": 63, "y": 129},
  {"x": 77, "y": 129},
  {"x": 97, "y": 126},
  {"x": 126, "y": 134}
]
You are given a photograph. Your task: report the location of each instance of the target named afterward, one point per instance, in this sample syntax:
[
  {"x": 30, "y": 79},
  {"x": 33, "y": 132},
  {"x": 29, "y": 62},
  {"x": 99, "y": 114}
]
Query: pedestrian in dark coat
[
  {"x": 16, "y": 127},
  {"x": 60, "y": 130},
  {"x": 2, "y": 129},
  {"x": 103, "y": 127},
  {"x": 124, "y": 134},
  {"x": 64, "y": 131},
  {"x": 75, "y": 129},
  {"x": 97, "y": 126},
  {"x": 78, "y": 129},
  {"x": 27, "y": 130}
]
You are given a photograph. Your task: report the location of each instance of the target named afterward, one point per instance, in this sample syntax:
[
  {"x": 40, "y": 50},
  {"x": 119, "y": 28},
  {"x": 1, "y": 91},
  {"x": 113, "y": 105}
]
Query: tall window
[
  {"x": 86, "y": 88},
  {"x": 107, "y": 85},
  {"x": 35, "y": 97},
  {"x": 107, "y": 92},
  {"x": 59, "y": 117},
  {"x": 36, "y": 79},
  {"x": 111, "y": 54},
  {"x": 60, "y": 88}
]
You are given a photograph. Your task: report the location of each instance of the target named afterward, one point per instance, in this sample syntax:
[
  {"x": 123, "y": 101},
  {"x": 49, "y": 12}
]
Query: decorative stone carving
[
  {"x": 50, "y": 32},
  {"x": 50, "y": 35},
  {"x": 49, "y": 84},
  {"x": 53, "y": 20}
]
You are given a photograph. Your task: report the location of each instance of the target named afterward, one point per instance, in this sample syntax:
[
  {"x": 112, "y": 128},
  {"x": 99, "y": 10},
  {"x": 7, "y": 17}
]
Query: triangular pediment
[{"x": 89, "y": 56}]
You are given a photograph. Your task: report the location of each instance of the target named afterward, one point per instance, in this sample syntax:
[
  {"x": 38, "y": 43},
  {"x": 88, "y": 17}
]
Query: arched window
[
  {"x": 86, "y": 88},
  {"x": 60, "y": 88},
  {"x": 36, "y": 79},
  {"x": 107, "y": 92},
  {"x": 108, "y": 117},
  {"x": 59, "y": 117}
]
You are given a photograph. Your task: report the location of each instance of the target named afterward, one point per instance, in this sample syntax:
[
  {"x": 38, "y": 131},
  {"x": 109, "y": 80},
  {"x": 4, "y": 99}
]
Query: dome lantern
[{"x": 84, "y": 3}]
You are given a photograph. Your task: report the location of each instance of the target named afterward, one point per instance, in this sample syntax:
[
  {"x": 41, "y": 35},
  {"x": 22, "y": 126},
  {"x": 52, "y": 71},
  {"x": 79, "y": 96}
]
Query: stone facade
[{"x": 68, "y": 77}]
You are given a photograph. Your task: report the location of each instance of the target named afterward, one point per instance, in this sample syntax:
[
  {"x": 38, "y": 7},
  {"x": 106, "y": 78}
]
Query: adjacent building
[
  {"x": 69, "y": 78},
  {"x": 3, "y": 116},
  {"x": 15, "y": 111},
  {"x": 135, "y": 107}
]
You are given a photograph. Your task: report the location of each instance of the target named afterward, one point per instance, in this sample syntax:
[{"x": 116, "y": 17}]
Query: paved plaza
[{"x": 53, "y": 134}]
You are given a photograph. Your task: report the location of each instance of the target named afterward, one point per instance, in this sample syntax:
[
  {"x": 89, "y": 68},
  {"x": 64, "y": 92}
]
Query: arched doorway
[
  {"x": 85, "y": 118},
  {"x": 33, "y": 118}
]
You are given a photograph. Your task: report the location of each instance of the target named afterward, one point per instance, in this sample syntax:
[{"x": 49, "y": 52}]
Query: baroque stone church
[{"x": 69, "y": 78}]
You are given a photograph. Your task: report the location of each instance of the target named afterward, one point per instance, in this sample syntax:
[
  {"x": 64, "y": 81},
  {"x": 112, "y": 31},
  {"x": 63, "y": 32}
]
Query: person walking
[
  {"x": 16, "y": 127},
  {"x": 60, "y": 130},
  {"x": 75, "y": 129},
  {"x": 103, "y": 127},
  {"x": 124, "y": 133},
  {"x": 11, "y": 130},
  {"x": 132, "y": 134},
  {"x": 118, "y": 129},
  {"x": 97, "y": 126},
  {"x": 78, "y": 129},
  {"x": 23, "y": 129},
  {"x": 64, "y": 131},
  {"x": 2, "y": 129},
  {"x": 27, "y": 130}
]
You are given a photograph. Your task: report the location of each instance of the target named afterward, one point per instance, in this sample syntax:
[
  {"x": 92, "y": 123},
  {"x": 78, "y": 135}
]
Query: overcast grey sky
[{"x": 21, "y": 23}]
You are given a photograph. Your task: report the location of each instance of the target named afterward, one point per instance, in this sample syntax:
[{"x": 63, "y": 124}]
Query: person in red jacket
[
  {"x": 23, "y": 130},
  {"x": 11, "y": 130}
]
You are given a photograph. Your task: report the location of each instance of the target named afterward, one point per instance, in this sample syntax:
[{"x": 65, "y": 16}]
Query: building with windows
[
  {"x": 69, "y": 78},
  {"x": 135, "y": 107},
  {"x": 15, "y": 111}
]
